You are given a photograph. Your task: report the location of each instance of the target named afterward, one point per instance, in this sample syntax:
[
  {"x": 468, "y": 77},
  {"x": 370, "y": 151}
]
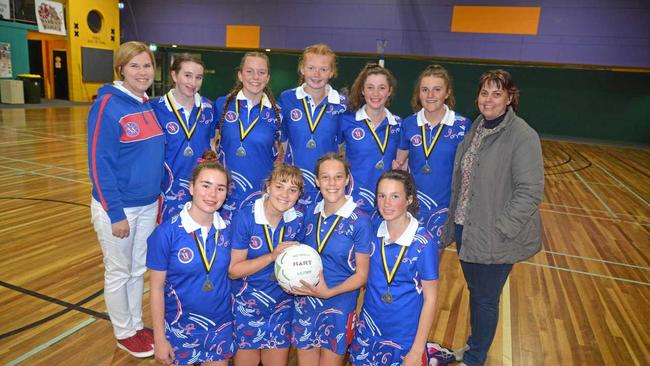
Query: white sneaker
[{"x": 460, "y": 352}]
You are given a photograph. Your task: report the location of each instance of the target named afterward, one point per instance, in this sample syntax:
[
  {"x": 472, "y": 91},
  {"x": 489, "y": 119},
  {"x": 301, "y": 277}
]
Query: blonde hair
[
  {"x": 317, "y": 49},
  {"x": 438, "y": 72},
  {"x": 126, "y": 52}
]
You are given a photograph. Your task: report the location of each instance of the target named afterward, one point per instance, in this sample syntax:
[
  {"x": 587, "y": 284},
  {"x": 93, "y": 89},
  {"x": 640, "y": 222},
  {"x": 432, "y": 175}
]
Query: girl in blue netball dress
[
  {"x": 248, "y": 129},
  {"x": 189, "y": 125},
  {"x": 324, "y": 316},
  {"x": 428, "y": 143},
  {"x": 370, "y": 132},
  {"x": 261, "y": 231},
  {"x": 188, "y": 258},
  {"x": 311, "y": 114},
  {"x": 400, "y": 299}
]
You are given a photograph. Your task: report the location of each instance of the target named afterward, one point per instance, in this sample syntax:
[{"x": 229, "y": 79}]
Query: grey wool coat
[{"x": 502, "y": 223}]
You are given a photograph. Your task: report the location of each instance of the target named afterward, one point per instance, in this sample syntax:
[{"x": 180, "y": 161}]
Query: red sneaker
[
  {"x": 136, "y": 346},
  {"x": 145, "y": 335}
]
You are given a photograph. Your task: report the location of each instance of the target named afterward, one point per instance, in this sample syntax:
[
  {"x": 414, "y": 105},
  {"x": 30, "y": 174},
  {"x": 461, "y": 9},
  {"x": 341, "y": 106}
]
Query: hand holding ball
[{"x": 298, "y": 262}]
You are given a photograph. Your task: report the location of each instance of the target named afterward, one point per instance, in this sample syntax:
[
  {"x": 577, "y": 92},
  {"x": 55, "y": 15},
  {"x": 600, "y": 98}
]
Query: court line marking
[
  {"x": 592, "y": 210},
  {"x": 596, "y": 195},
  {"x": 37, "y": 133},
  {"x": 43, "y": 165},
  {"x": 622, "y": 184},
  {"x": 51, "y": 342},
  {"x": 45, "y": 175},
  {"x": 507, "y": 325},
  {"x": 596, "y": 260},
  {"x": 594, "y": 217},
  {"x": 577, "y": 271}
]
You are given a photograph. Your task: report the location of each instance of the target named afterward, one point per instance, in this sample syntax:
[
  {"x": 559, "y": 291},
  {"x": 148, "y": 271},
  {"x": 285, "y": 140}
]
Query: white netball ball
[{"x": 299, "y": 262}]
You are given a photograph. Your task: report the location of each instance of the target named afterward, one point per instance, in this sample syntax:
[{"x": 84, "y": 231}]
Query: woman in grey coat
[{"x": 498, "y": 183}]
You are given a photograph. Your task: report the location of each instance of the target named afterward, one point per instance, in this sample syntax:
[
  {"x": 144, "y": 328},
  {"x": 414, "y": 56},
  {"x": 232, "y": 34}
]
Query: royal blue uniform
[
  {"x": 262, "y": 309},
  {"x": 248, "y": 172},
  {"x": 386, "y": 330},
  {"x": 198, "y": 323},
  {"x": 434, "y": 187},
  {"x": 181, "y": 154},
  {"x": 296, "y": 131},
  {"x": 329, "y": 323},
  {"x": 364, "y": 152}
]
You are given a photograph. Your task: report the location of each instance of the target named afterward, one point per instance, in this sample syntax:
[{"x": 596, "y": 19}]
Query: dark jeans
[{"x": 485, "y": 283}]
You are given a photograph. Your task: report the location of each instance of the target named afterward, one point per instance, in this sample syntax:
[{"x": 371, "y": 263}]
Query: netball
[{"x": 300, "y": 262}]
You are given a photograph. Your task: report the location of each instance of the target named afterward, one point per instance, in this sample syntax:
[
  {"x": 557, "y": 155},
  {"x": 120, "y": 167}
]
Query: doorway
[{"x": 60, "y": 72}]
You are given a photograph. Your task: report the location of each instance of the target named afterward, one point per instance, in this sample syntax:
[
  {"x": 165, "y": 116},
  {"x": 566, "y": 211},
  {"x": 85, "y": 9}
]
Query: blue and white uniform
[
  {"x": 363, "y": 147},
  {"x": 433, "y": 174},
  {"x": 386, "y": 330},
  {"x": 259, "y": 127},
  {"x": 308, "y": 141},
  {"x": 198, "y": 323},
  {"x": 182, "y": 153},
  {"x": 329, "y": 323},
  {"x": 262, "y": 309}
]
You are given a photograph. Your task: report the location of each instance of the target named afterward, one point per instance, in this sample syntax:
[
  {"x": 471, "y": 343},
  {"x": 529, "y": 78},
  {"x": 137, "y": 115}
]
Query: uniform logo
[
  {"x": 231, "y": 116},
  {"x": 296, "y": 114},
  {"x": 358, "y": 133},
  {"x": 267, "y": 115},
  {"x": 308, "y": 229},
  {"x": 185, "y": 255},
  {"x": 255, "y": 242},
  {"x": 416, "y": 140},
  {"x": 132, "y": 129},
  {"x": 172, "y": 127}
]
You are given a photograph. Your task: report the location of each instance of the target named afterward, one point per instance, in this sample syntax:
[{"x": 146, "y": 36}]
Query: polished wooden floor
[{"x": 584, "y": 300}]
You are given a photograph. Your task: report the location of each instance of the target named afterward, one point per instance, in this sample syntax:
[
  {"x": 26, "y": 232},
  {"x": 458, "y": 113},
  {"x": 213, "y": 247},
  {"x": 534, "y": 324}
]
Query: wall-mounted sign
[
  {"x": 49, "y": 16},
  {"x": 5, "y": 60}
]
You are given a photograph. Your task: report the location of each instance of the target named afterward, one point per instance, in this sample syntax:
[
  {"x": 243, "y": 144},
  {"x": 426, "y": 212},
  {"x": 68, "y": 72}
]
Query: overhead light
[
  {"x": 120, "y": 5},
  {"x": 174, "y": 46},
  {"x": 268, "y": 50},
  {"x": 153, "y": 47}
]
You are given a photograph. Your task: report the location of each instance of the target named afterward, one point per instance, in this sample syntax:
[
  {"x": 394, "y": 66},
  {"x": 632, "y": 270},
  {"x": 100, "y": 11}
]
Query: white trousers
[{"x": 124, "y": 265}]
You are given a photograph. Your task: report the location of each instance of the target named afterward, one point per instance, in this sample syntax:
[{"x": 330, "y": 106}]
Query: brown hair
[
  {"x": 409, "y": 187},
  {"x": 356, "y": 99},
  {"x": 286, "y": 173},
  {"x": 126, "y": 52},
  {"x": 438, "y": 72},
  {"x": 185, "y": 57},
  {"x": 332, "y": 156},
  {"x": 209, "y": 161},
  {"x": 503, "y": 80},
  {"x": 317, "y": 49},
  {"x": 239, "y": 86}
]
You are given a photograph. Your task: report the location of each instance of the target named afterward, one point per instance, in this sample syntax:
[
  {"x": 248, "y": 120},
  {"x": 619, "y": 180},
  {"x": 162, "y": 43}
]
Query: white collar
[
  {"x": 241, "y": 96},
  {"x": 345, "y": 211},
  {"x": 333, "y": 97},
  {"x": 407, "y": 236},
  {"x": 191, "y": 226},
  {"x": 260, "y": 217},
  {"x": 361, "y": 115},
  {"x": 119, "y": 84},
  {"x": 197, "y": 101},
  {"x": 448, "y": 119}
]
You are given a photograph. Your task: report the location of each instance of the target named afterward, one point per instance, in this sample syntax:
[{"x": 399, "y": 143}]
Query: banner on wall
[
  {"x": 5, "y": 60},
  {"x": 5, "y": 12},
  {"x": 49, "y": 16}
]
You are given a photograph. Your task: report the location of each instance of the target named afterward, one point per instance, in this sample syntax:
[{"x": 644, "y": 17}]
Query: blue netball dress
[
  {"x": 390, "y": 315},
  {"x": 370, "y": 152},
  {"x": 329, "y": 323},
  {"x": 311, "y": 131},
  {"x": 262, "y": 309},
  {"x": 187, "y": 136},
  {"x": 431, "y": 161},
  {"x": 248, "y": 150},
  {"x": 198, "y": 302}
]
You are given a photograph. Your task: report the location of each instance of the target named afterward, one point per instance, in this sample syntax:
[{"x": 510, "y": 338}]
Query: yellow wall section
[
  {"x": 496, "y": 19},
  {"x": 243, "y": 36},
  {"x": 77, "y": 12}
]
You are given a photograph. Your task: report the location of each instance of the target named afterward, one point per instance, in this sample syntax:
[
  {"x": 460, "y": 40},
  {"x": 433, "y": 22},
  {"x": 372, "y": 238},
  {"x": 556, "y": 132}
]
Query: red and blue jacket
[{"x": 126, "y": 149}]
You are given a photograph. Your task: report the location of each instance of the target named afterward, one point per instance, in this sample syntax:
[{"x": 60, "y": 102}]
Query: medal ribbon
[
  {"x": 188, "y": 132},
  {"x": 428, "y": 150},
  {"x": 243, "y": 133},
  {"x": 269, "y": 238},
  {"x": 310, "y": 120},
  {"x": 323, "y": 242},
  {"x": 202, "y": 249},
  {"x": 391, "y": 275},
  {"x": 382, "y": 146}
]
